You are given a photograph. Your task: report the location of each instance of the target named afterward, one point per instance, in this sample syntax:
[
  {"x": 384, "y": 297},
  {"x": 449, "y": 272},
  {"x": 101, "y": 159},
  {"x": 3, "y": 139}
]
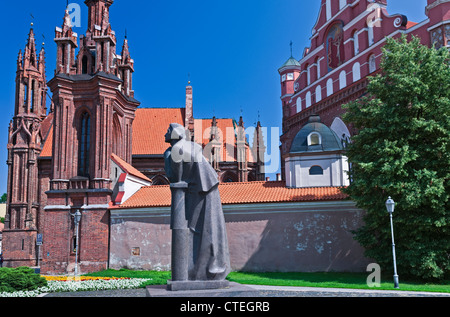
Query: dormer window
[{"x": 314, "y": 139}]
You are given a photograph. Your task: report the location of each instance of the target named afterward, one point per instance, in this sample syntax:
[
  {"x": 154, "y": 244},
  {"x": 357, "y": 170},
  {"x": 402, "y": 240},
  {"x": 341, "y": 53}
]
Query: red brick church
[
  {"x": 96, "y": 150},
  {"x": 92, "y": 140}
]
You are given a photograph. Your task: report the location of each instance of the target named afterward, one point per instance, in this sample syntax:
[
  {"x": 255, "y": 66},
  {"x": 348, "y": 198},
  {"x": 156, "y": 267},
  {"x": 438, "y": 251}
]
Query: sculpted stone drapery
[{"x": 200, "y": 244}]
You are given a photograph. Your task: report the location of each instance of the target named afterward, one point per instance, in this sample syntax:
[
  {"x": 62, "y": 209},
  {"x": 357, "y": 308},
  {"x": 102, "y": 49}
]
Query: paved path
[
  {"x": 283, "y": 291},
  {"x": 273, "y": 291}
]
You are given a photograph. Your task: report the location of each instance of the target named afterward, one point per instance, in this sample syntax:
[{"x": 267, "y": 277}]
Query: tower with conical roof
[{"x": 289, "y": 72}]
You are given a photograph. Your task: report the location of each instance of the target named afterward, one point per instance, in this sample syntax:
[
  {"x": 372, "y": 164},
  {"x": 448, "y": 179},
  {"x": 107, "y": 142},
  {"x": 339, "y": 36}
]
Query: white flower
[{"x": 79, "y": 286}]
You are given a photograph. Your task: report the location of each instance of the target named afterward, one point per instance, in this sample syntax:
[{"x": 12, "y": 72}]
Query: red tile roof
[
  {"x": 410, "y": 24},
  {"x": 47, "y": 135},
  {"x": 240, "y": 193},
  {"x": 226, "y": 135},
  {"x": 127, "y": 168},
  {"x": 150, "y": 126}
]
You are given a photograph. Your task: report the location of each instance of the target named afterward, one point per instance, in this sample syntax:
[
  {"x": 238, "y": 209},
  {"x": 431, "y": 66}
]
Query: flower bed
[
  {"x": 79, "y": 284},
  {"x": 81, "y": 278}
]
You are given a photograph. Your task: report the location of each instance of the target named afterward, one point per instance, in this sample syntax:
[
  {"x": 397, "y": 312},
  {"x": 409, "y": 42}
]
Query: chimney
[{"x": 189, "y": 115}]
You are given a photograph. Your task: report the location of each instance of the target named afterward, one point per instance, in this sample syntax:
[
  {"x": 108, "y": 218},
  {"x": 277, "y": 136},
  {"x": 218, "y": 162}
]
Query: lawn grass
[
  {"x": 324, "y": 280},
  {"x": 332, "y": 280}
]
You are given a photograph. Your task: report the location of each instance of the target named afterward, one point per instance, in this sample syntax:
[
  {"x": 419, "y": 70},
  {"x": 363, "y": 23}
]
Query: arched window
[
  {"x": 372, "y": 64},
  {"x": 308, "y": 99},
  {"x": 308, "y": 75},
  {"x": 160, "y": 180},
  {"x": 318, "y": 67},
  {"x": 33, "y": 88},
  {"x": 299, "y": 104},
  {"x": 314, "y": 139},
  {"x": 25, "y": 96},
  {"x": 84, "y": 65},
  {"x": 117, "y": 137},
  {"x": 356, "y": 72},
  {"x": 329, "y": 87},
  {"x": 370, "y": 34},
  {"x": 356, "y": 42},
  {"x": 342, "y": 79},
  {"x": 84, "y": 145},
  {"x": 318, "y": 93},
  {"x": 316, "y": 170}
]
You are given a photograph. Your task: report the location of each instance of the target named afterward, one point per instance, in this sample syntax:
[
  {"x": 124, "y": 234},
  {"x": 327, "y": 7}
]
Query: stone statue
[{"x": 200, "y": 256}]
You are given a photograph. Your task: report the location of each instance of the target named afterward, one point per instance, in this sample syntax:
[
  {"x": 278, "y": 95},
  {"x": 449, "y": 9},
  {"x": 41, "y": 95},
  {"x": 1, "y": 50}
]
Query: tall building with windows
[
  {"x": 345, "y": 50},
  {"x": 95, "y": 146}
]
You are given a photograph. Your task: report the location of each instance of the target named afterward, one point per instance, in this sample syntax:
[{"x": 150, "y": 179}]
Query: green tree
[
  {"x": 3, "y": 199},
  {"x": 402, "y": 150}
]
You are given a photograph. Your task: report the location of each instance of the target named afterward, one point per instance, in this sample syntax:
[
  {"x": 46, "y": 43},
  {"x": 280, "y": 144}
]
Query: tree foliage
[{"x": 402, "y": 150}]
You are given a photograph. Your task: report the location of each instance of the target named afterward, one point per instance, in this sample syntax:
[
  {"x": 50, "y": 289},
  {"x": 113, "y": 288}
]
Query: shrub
[{"x": 20, "y": 279}]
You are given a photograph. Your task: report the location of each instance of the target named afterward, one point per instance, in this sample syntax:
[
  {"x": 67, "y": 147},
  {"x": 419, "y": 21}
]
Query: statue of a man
[{"x": 207, "y": 256}]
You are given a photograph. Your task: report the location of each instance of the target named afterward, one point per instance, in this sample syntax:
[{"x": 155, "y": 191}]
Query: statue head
[{"x": 176, "y": 132}]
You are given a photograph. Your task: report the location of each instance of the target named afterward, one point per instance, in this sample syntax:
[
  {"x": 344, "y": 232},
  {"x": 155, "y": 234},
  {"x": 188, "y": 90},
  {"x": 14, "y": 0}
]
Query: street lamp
[
  {"x": 390, "y": 206},
  {"x": 76, "y": 220}
]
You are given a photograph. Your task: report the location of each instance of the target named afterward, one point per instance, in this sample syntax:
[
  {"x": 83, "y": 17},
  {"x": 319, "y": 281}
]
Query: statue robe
[{"x": 208, "y": 255}]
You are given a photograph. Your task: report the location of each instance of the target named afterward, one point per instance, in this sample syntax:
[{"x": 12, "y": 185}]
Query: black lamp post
[
  {"x": 390, "y": 206},
  {"x": 77, "y": 220}
]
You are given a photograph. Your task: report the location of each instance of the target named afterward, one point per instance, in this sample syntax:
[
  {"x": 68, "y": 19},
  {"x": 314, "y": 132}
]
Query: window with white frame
[
  {"x": 342, "y": 79},
  {"x": 316, "y": 170},
  {"x": 342, "y": 4},
  {"x": 308, "y": 76},
  {"x": 299, "y": 104},
  {"x": 318, "y": 93},
  {"x": 356, "y": 72},
  {"x": 372, "y": 63},
  {"x": 318, "y": 68},
  {"x": 370, "y": 34},
  {"x": 314, "y": 138},
  {"x": 308, "y": 99},
  {"x": 329, "y": 87},
  {"x": 356, "y": 43}
]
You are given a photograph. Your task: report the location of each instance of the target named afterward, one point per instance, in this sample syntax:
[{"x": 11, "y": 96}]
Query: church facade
[
  {"x": 346, "y": 48},
  {"x": 94, "y": 149}
]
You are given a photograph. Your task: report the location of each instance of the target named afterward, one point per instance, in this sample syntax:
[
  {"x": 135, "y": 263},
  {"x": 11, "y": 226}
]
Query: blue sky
[{"x": 232, "y": 49}]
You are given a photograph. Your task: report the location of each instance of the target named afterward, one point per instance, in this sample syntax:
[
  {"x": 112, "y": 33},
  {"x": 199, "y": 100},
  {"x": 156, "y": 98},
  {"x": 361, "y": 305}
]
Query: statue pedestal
[
  {"x": 196, "y": 285},
  {"x": 233, "y": 290}
]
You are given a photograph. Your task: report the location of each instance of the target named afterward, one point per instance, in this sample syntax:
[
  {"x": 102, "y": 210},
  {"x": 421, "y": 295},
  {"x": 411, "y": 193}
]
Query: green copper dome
[
  {"x": 291, "y": 62},
  {"x": 316, "y": 137}
]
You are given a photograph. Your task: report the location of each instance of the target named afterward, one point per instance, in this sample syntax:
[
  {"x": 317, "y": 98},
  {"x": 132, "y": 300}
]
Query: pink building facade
[{"x": 346, "y": 48}]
